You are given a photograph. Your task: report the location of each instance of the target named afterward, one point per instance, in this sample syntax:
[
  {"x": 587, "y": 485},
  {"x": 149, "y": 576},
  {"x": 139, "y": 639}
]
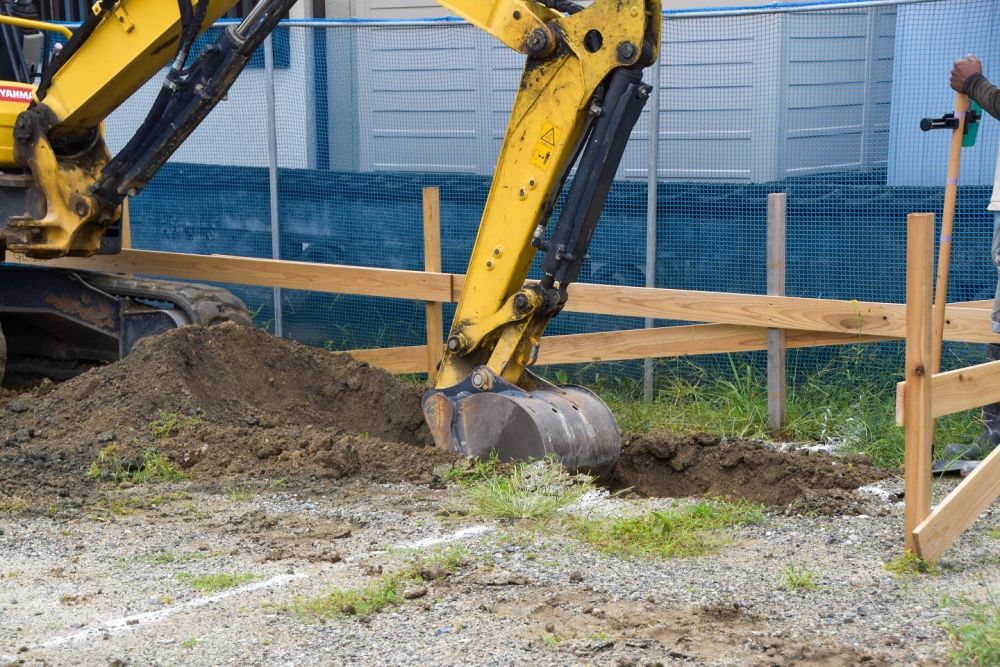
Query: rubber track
[{"x": 202, "y": 304}]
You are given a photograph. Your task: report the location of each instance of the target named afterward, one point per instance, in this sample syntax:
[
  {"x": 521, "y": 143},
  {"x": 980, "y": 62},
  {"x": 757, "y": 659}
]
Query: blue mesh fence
[{"x": 821, "y": 102}]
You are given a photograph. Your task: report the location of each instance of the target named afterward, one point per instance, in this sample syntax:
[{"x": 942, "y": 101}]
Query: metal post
[
  {"x": 776, "y": 379},
  {"x": 648, "y": 365},
  {"x": 272, "y": 172}
]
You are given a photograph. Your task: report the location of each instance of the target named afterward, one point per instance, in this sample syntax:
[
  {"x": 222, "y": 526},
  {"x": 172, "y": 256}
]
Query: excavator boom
[{"x": 580, "y": 96}]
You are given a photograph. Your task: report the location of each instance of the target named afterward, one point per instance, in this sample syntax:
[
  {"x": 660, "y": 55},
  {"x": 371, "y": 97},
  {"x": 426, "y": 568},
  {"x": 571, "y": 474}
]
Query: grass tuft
[
  {"x": 239, "y": 494},
  {"x": 384, "y": 592},
  {"x": 153, "y": 467},
  {"x": 190, "y": 643},
  {"x": 908, "y": 564},
  {"x": 210, "y": 583},
  {"x": 976, "y": 632},
  {"x": 528, "y": 491},
  {"x": 798, "y": 578},
  {"x": 679, "y": 532},
  {"x": 169, "y": 423},
  {"x": 13, "y": 505}
]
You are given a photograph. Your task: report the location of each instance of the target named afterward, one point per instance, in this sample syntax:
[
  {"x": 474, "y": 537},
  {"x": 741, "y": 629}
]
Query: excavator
[{"x": 63, "y": 194}]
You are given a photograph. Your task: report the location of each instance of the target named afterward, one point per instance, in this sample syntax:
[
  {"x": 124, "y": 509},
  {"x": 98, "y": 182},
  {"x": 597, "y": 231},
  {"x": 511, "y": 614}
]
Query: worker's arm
[{"x": 967, "y": 77}]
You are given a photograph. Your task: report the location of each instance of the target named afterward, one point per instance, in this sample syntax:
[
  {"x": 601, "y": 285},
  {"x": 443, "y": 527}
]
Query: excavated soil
[
  {"x": 246, "y": 404},
  {"x": 243, "y": 402},
  {"x": 662, "y": 464}
]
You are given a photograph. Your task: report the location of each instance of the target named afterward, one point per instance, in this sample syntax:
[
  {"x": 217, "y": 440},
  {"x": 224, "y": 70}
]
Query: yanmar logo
[{"x": 9, "y": 94}]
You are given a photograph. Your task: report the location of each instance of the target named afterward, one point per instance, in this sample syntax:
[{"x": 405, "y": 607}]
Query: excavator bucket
[{"x": 484, "y": 414}]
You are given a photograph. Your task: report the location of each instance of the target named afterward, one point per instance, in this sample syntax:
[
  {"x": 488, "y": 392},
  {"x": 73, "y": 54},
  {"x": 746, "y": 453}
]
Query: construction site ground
[{"x": 305, "y": 471}]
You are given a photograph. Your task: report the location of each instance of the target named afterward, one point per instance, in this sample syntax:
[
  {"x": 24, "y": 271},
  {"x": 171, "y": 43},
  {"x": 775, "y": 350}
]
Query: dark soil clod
[{"x": 662, "y": 464}]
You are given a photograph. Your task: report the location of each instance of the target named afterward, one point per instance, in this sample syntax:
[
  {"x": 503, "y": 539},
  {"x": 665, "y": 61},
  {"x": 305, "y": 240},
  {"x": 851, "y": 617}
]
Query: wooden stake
[
  {"x": 432, "y": 263},
  {"x": 919, "y": 423},
  {"x": 776, "y": 387},
  {"x": 947, "y": 227},
  {"x": 959, "y": 509}
]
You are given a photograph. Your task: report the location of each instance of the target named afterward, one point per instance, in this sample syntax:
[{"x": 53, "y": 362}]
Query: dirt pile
[
  {"x": 216, "y": 401},
  {"x": 662, "y": 464}
]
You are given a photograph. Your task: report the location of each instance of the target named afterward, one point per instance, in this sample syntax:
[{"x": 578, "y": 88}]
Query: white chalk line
[
  {"x": 127, "y": 623},
  {"x": 136, "y": 621}
]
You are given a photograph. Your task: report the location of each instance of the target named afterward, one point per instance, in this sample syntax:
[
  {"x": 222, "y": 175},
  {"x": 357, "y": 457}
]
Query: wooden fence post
[
  {"x": 432, "y": 263},
  {"x": 918, "y": 422},
  {"x": 776, "y": 380}
]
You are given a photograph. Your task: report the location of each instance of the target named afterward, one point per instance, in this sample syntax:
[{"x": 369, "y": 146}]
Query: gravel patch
[{"x": 100, "y": 590}]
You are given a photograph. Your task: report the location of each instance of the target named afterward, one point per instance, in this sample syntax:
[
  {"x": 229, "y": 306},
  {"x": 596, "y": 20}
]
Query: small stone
[
  {"x": 23, "y": 435},
  {"x": 107, "y": 436},
  {"x": 414, "y": 592},
  {"x": 442, "y": 631},
  {"x": 431, "y": 573},
  {"x": 251, "y": 420},
  {"x": 550, "y": 627},
  {"x": 132, "y": 621},
  {"x": 575, "y": 577},
  {"x": 18, "y": 405}
]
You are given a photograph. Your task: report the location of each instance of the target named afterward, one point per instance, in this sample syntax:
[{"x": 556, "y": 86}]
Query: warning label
[
  {"x": 545, "y": 147},
  {"x": 12, "y": 94}
]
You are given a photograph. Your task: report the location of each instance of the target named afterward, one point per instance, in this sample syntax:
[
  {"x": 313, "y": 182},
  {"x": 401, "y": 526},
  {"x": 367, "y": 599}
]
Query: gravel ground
[{"x": 102, "y": 588}]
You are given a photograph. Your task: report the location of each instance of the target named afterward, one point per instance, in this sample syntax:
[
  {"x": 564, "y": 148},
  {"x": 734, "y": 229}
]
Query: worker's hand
[{"x": 962, "y": 70}]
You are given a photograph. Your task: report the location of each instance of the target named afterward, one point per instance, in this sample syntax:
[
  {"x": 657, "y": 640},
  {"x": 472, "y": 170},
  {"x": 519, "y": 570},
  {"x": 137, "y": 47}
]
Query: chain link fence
[{"x": 324, "y": 144}]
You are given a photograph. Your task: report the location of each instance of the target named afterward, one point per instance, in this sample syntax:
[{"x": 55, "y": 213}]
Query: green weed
[
  {"x": 528, "y": 491},
  {"x": 976, "y": 633},
  {"x": 153, "y": 467},
  {"x": 239, "y": 494},
  {"x": 13, "y": 505},
  {"x": 798, "y": 578},
  {"x": 190, "y": 643},
  {"x": 387, "y": 591},
  {"x": 169, "y": 423},
  {"x": 470, "y": 471},
  {"x": 678, "y": 532},
  {"x": 909, "y": 564},
  {"x": 210, "y": 583}
]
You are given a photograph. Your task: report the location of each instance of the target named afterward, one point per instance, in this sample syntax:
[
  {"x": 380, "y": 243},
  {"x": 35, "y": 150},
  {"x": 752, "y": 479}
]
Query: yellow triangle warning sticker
[{"x": 549, "y": 137}]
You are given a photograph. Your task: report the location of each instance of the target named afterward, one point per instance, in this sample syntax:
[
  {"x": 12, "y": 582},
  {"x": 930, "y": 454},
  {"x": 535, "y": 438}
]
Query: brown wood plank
[
  {"x": 335, "y": 278},
  {"x": 412, "y": 359},
  {"x": 659, "y": 342},
  {"x": 959, "y": 509},
  {"x": 958, "y": 390},
  {"x": 919, "y": 429},
  {"x": 826, "y": 315},
  {"x": 432, "y": 263}
]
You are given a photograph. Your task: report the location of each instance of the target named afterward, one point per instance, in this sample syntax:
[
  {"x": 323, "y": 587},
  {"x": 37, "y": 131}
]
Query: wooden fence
[{"x": 722, "y": 323}]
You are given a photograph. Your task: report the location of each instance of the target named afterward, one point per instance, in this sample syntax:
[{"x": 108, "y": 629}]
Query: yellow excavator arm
[{"x": 580, "y": 96}]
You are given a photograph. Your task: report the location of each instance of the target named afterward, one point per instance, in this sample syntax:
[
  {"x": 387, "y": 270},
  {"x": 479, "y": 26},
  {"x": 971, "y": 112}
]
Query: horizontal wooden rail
[
  {"x": 958, "y": 390},
  {"x": 659, "y": 342},
  {"x": 855, "y": 318},
  {"x": 361, "y": 280}
]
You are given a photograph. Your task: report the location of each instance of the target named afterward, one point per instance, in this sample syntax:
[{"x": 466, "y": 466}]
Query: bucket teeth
[{"x": 570, "y": 423}]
